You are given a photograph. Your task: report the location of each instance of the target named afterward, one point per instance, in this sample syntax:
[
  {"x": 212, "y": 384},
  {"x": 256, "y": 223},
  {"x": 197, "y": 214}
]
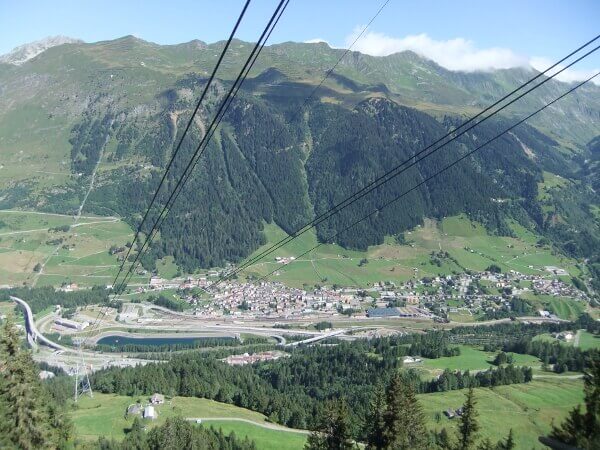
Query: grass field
[
  {"x": 467, "y": 242},
  {"x": 565, "y": 308},
  {"x": 588, "y": 340},
  {"x": 472, "y": 358},
  {"x": 264, "y": 438},
  {"x": 585, "y": 341},
  {"x": 528, "y": 409},
  {"x": 104, "y": 415},
  {"x": 79, "y": 255}
]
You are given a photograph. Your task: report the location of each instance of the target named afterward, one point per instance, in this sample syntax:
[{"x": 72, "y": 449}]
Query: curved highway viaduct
[{"x": 33, "y": 335}]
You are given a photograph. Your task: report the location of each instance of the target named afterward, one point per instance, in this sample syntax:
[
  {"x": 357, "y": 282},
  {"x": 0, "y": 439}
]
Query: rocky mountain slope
[
  {"x": 24, "y": 53},
  {"x": 116, "y": 108}
]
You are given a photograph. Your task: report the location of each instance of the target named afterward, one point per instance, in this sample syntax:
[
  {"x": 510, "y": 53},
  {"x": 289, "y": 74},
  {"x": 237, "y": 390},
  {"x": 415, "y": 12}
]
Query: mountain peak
[{"x": 25, "y": 52}]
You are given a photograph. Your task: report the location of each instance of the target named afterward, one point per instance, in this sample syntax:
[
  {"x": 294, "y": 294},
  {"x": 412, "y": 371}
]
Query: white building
[
  {"x": 150, "y": 412},
  {"x": 71, "y": 324}
]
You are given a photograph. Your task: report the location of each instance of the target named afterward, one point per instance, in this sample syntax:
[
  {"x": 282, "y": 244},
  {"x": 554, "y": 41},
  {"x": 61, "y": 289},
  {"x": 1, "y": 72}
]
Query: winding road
[
  {"x": 267, "y": 425},
  {"x": 33, "y": 335}
]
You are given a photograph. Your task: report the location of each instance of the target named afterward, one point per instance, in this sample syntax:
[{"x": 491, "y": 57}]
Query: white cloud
[
  {"x": 569, "y": 76},
  {"x": 317, "y": 41},
  {"x": 457, "y": 54},
  {"x": 453, "y": 54}
]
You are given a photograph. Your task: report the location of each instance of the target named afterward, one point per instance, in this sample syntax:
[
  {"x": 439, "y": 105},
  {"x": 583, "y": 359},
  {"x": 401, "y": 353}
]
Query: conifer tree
[
  {"x": 444, "y": 440},
  {"x": 468, "y": 427},
  {"x": 509, "y": 444},
  {"x": 583, "y": 429},
  {"x": 136, "y": 438},
  {"x": 335, "y": 430},
  {"x": 486, "y": 444},
  {"x": 376, "y": 421},
  {"x": 25, "y": 418},
  {"x": 403, "y": 417}
]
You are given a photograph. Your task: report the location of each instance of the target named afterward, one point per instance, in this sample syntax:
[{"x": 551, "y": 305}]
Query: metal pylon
[{"x": 82, "y": 379}]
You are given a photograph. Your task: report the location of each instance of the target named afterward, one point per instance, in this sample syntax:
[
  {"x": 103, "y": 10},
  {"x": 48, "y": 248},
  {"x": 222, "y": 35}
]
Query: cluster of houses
[
  {"x": 416, "y": 298},
  {"x": 273, "y": 300},
  {"x": 148, "y": 411},
  {"x": 246, "y": 358}
]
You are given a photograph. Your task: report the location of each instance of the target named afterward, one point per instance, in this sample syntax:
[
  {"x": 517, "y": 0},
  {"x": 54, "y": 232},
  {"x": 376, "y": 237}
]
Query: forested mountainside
[{"x": 111, "y": 113}]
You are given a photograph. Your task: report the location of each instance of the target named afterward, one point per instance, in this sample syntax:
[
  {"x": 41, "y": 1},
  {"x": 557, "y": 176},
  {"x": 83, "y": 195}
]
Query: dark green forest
[
  {"x": 269, "y": 164},
  {"x": 293, "y": 391}
]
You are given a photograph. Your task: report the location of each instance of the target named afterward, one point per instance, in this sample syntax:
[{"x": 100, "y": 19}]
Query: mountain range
[{"x": 103, "y": 118}]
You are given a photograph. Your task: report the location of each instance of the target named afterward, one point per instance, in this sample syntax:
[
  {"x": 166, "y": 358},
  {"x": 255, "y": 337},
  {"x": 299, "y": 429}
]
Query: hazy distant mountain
[
  {"x": 124, "y": 103},
  {"x": 25, "y": 52}
]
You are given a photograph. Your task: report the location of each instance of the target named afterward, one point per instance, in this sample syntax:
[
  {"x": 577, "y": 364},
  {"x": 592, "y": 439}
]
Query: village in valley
[{"x": 489, "y": 294}]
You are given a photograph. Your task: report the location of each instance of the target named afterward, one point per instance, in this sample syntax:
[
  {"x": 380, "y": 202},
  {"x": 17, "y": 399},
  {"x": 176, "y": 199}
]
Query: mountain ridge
[
  {"x": 23, "y": 53},
  {"x": 122, "y": 105}
]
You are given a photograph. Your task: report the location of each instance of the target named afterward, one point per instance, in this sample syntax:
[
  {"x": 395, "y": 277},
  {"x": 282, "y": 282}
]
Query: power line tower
[{"x": 82, "y": 379}]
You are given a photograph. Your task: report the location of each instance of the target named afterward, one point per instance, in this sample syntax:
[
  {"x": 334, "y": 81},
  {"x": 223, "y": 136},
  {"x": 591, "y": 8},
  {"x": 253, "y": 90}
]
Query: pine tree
[
  {"x": 315, "y": 441},
  {"x": 443, "y": 440},
  {"x": 509, "y": 444},
  {"x": 486, "y": 444},
  {"x": 582, "y": 430},
  {"x": 25, "y": 421},
  {"x": 136, "y": 438},
  {"x": 468, "y": 427},
  {"x": 376, "y": 421},
  {"x": 335, "y": 430},
  {"x": 403, "y": 417}
]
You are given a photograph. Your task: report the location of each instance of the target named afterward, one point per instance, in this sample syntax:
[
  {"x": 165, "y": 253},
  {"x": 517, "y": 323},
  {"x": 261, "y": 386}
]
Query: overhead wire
[
  {"x": 453, "y": 134},
  {"x": 187, "y": 127},
  {"x": 456, "y": 162},
  {"x": 346, "y": 51},
  {"x": 327, "y": 74},
  {"x": 403, "y": 194},
  {"x": 208, "y": 135},
  {"x": 398, "y": 197},
  {"x": 174, "y": 154}
]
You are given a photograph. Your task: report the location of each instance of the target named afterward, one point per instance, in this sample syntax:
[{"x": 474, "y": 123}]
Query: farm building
[
  {"x": 157, "y": 399},
  {"x": 71, "y": 324},
  {"x": 134, "y": 409},
  {"x": 150, "y": 412}
]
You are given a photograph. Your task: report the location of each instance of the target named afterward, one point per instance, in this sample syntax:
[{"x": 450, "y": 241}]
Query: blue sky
[{"x": 460, "y": 34}]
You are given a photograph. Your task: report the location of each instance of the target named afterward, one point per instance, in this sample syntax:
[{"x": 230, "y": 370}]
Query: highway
[
  {"x": 316, "y": 338},
  {"x": 33, "y": 335}
]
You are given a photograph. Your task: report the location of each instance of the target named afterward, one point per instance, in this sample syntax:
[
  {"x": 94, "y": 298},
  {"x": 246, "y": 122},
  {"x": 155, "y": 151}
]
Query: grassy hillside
[
  {"x": 81, "y": 255},
  {"x": 104, "y": 415},
  {"x": 472, "y": 359},
  {"x": 69, "y": 251},
  {"x": 468, "y": 243},
  {"x": 528, "y": 409}
]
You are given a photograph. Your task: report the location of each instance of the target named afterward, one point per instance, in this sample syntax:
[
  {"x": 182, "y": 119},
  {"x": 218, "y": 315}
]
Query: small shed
[
  {"x": 157, "y": 399},
  {"x": 134, "y": 409},
  {"x": 150, "y": 412}
]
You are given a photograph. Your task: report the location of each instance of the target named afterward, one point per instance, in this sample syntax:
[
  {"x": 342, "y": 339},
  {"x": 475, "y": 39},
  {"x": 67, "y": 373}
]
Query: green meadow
[
  {"x": 78, "y": 254},
  {"x": 529, "y": 409},
  {"x": 473, "y": 359},
  {"x": 468, "y": 243},
  {"x": 104, "y": 415},
  {"x": 588, "y": 340},
  {"x": 583, "y": 339}
]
